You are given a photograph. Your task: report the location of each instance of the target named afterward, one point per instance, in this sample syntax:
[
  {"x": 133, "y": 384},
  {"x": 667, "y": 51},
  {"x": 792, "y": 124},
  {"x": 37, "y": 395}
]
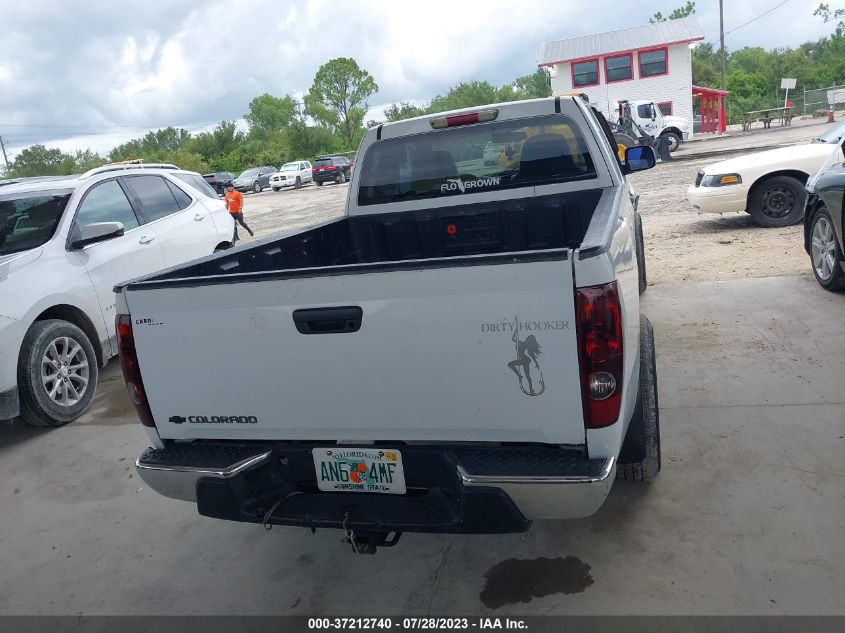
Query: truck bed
[
  {"x": 514, "y": 226},
  {"x": 436, "y": 325}
]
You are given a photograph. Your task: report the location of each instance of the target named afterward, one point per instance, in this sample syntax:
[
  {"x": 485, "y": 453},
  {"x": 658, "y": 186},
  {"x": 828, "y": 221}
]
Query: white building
[{"x": 646, "y": 62}]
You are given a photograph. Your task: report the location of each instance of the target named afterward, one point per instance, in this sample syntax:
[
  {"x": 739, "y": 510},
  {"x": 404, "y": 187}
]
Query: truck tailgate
[{"x": 435, "y": 357}]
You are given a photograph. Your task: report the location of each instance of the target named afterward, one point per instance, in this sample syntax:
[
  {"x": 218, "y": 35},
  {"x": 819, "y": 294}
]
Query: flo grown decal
[{"x": 457, "y": 184}]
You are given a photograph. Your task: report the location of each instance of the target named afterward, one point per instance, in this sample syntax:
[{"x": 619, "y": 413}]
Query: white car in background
[
  {"x": 65, "y": 243},
  {"x": 768, "y": 185},
  {"x": 293, "y": 174}
]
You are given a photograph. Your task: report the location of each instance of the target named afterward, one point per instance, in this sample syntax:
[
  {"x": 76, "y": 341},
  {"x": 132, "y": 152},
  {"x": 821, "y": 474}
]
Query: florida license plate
[{"x": 359, "y": 470}]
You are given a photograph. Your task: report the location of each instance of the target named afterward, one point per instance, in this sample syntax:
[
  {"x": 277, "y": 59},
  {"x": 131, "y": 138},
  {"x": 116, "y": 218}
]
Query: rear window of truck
[{"x": 473, "y": 159}]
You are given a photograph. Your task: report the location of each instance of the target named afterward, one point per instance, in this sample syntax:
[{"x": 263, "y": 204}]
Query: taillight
[
  {"x": 600, "y": 336},
  {"x": 314, "y": 170},
  {"x": 131, "y": 370},
  {"x": 469, "y": 118},
  {"x": 330, "y": 168}
]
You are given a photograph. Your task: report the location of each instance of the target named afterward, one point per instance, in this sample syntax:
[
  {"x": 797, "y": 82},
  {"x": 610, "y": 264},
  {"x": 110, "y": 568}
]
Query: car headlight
[{"x": 721, "y": 180}]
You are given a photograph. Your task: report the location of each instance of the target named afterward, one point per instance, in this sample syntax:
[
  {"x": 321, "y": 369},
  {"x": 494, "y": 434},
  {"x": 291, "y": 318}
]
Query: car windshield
[
  {"x": 456, "y": 161},
  {"x": 833, "y": 135},
  {"x": 249, "y": 173},
  {"x": 28, "y": 220},
  {"x": 322, "y": 162},
  {"x": 290, "y": 167}
]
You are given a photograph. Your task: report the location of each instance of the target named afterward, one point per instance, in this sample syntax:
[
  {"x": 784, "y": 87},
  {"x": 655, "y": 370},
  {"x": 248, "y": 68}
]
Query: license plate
[{"x": 359, "y": 470}]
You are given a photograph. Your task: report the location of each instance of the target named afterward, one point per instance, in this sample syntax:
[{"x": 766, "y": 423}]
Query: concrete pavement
[{"x": 748, "y": 515}]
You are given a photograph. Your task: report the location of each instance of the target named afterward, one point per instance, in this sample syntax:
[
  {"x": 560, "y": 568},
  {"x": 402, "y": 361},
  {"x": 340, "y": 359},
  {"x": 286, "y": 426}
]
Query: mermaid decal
[{"x": 527, "y": 352}]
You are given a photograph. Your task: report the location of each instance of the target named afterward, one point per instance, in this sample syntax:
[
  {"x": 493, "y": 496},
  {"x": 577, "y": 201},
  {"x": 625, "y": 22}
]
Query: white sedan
[
  {"x": 292, "y": 175},
  {"x": 768, "y": 185}
]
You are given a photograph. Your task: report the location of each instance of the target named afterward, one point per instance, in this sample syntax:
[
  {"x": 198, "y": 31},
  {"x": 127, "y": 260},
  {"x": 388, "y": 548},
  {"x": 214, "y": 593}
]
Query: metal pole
[
  {"x": 5, "y": 159},
  {"x": 722, "y": 40},
  {"x": 786, "y": 98}
]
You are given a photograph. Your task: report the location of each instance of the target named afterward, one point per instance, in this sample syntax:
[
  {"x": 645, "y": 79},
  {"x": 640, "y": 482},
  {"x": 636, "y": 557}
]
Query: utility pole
[
  {"x": 722, "y": 40},
  {"x": 3, "y": 145}
]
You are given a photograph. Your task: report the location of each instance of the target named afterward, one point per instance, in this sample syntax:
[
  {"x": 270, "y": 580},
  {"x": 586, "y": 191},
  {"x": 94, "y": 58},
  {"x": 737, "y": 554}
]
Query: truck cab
[{"x": 650, "y": 118}]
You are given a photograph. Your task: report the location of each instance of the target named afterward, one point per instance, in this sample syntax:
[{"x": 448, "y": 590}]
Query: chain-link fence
[{"x": 818, "y": 101}]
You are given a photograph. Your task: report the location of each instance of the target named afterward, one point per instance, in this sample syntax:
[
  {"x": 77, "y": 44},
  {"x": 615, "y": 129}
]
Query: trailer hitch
[{"x": 368, "y": 541}]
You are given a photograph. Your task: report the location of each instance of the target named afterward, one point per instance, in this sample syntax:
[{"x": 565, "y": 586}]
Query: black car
[
  {"x": 219, "y": 180},
  {"x": 331, "y": 169},
  {"x": 824, "y": 220}
]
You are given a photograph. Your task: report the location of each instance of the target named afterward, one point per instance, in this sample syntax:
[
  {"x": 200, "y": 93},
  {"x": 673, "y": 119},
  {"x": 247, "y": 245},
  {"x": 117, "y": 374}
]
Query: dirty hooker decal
[{"x": 527, "y": 352}]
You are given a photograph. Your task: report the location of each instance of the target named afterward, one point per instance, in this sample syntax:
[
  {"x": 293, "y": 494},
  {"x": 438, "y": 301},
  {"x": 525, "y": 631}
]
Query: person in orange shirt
[{"x": 235, "y": 204}]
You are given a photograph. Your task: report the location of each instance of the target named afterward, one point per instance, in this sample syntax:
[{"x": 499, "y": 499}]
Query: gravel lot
[
  {"x": 683, "y": 245},
  {"x": 680, "y": 244}
]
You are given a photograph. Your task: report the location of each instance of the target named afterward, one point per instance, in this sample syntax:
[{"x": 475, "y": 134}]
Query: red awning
[{"x": 699, "y": 91}]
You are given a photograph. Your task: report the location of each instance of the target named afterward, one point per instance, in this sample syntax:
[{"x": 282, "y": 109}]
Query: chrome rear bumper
[
  {"x": 180, "y": 482},
  {"x": 564, "y": 497},
  {"x": 560, "y": 491}
]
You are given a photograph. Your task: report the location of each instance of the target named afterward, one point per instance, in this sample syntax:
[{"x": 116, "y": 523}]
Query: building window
[
  {"x": 619, "y": 68},
  {"x": 654, "y": 63},
  {"x": 585, "y": 73},
  {"x": 665, "y": 107}
]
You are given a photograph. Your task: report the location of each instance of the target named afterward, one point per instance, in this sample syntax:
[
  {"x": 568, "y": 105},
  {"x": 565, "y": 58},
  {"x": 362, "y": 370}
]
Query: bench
[{"x": 766, "y": 117}]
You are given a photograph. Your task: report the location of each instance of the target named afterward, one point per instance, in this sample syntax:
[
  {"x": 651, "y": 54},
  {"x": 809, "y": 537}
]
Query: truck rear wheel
[
  {"x": 639, "y": 460},
  {"x": 57, "y": 373}
]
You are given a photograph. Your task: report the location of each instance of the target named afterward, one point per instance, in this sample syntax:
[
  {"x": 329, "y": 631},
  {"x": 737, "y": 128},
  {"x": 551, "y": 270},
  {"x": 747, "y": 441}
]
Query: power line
[{"x": 758, "y": 17}]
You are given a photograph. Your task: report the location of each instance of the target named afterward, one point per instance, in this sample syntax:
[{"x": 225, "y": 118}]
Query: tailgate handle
[{"x": 328, "y": 320}]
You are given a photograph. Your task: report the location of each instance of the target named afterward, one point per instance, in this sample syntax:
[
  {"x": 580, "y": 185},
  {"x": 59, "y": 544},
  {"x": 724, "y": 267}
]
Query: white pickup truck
[{"x": 462, "y": 352}]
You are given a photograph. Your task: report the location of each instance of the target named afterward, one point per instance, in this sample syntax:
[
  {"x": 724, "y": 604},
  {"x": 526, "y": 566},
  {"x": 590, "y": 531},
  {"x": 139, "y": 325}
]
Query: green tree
[
  {"x": 39, "y": 160},
  {"x": 706, "y": 65},
  {"x": 269, "y": 115},
  {"x": 830, "y": 15},
  {"x": 403, "y": 110},
  {"x": 681, "y": 12},
  {"x": 86, "y": 159},
  {"x": 223, "y": 139},
  {"x": 467, "y": 95},
  {"x": 308, "y": 141},
  {"x": 533, "y": 86},
  {"x": 338, "y": 97},
  {"x": 749, "y": 91},
  {"x": 168, "y": 139}
]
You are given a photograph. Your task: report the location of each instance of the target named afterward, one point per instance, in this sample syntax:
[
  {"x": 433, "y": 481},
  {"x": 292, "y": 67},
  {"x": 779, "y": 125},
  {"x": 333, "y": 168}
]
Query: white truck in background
[{"x": 462, "y": 352}]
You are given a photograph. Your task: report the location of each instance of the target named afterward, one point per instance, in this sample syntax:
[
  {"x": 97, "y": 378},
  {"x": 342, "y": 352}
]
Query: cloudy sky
[{"x": 93, "y": 74}]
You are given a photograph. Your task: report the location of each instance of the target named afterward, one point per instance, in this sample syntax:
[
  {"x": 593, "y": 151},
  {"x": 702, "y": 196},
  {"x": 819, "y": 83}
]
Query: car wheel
[
  {"x": 319, "y": 183},
  {"x": 639, "y": 459},
  {"x": 341, "y": 178},
  {"x": 298, "y": 183},
  {"x": 825, "y": 254},
  {"x": 674, "y": 141},
  {"x": 623, "y": 142},
  {"x": 640, "y": 245},
  {"x": 57, "y": 373},
  {"x": 777, "y": 201},
  {"x": 276, "y": 189},
  {"x": 256, "y": 187}
]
